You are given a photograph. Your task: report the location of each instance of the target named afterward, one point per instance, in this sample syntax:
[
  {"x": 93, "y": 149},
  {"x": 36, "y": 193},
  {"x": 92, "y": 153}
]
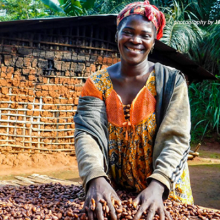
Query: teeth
[{"x": 132, "y": 49}]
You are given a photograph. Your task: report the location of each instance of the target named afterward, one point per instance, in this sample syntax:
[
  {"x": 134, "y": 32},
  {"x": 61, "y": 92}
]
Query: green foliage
[
  {"x": 25, "y": 9},
  {"x": 205, "y": 108},
  {"x": 52, "y": 6},
  {"x": 179, "y": 34},
  {"x": 70, "y": 7},
  {"x": 210, "y": 50}
]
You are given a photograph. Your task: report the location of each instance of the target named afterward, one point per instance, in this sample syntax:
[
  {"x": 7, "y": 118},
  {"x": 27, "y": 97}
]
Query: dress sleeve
[
  {"x": 89, "y": 89},
  {"x": 172, "y": 141}
]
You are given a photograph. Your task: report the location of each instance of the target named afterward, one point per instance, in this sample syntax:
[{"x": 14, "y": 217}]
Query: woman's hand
[
  {"x": 151, "y": 199},
  {"x": 99, "y": 189}
]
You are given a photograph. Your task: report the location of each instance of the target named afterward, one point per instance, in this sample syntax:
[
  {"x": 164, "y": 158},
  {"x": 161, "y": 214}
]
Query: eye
[
  {"x": 146, "y": 36},
  {"x": 127, "y": 32}
]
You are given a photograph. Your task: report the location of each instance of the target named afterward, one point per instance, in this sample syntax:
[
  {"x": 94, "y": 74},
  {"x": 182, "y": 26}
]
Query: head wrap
[{"x": 147, "y": 10}]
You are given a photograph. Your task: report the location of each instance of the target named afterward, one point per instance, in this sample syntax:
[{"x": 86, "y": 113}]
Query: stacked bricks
[{"x": 39, "y": 93}]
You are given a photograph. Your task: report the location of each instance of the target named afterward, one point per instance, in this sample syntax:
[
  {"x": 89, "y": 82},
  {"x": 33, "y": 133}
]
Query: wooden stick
[
  {"x": 197, "y": 147},
  {"x": 15, "y": 135},
  {"x": 32, "y": 148},
  {"x": 42, "y": 110}
]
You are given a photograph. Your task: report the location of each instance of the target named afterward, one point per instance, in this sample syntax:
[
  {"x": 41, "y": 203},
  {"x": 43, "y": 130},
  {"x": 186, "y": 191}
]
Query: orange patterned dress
[{"x": 132, "y": 131}]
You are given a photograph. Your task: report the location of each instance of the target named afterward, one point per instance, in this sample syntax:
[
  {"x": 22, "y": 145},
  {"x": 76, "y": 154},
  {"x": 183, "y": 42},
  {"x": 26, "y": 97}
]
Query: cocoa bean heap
[{"x": 55, "y": 201}]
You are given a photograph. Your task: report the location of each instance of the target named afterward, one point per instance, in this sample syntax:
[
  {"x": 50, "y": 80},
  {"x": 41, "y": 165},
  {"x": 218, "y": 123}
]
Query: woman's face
[{"x": 135, "y": 39}]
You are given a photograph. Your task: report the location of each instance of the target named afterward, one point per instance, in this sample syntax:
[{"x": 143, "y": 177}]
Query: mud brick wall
[{"x": 39, "y": 91}]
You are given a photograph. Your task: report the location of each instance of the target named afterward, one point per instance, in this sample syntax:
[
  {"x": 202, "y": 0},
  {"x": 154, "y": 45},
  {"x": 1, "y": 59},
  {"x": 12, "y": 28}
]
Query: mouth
[{"x": 135, "y": 50}]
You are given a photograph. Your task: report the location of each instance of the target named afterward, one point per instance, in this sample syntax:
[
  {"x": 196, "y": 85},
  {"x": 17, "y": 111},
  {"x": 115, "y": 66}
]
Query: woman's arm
[
  {"x": 91, "y": 143},
  {"x": 89, "y": 157},
  {"x": 172, "y": 141}
]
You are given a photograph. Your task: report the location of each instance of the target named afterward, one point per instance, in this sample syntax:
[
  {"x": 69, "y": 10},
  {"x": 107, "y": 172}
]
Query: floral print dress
[{"x": 132, "y": 131}]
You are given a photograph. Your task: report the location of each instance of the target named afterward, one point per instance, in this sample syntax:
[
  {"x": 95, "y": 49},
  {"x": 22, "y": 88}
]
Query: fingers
[
  {"x": 151, "y": 213},
  {"x": 90, "y": 214},
  {"x": 136, "y": 201},
  {"x": 162, "y": 214},
  {"x": 99, "y": 212},
  {"x": 111, "y": 208},
  {"x": 144, "y": 206},
  {"x": 168, "y": 214}
]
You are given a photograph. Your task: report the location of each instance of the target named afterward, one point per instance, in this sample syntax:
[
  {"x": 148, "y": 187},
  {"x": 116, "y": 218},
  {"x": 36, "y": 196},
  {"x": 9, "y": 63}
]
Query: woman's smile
[{"x": 135, "y": 50}]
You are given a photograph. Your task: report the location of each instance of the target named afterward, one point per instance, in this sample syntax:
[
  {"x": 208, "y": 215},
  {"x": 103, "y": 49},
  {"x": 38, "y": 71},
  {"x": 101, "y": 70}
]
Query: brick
[
  {"x": 31, "y": 77},
  {"x": 30, "y": 92},
  {"x": 24, "y": 51},
  {"x": 56, "y": 101},
  {"x": 67, "y": 73},
  {"x": 67, "y": 55},
  {"x": 38, "y": 93},
  {"x": 4, "y": 105},
  {"x": 44, "y": 93},
  {"x": 27, "y": 62},
  {"x": 43, "y": 64},
  {"x": 109, "y": 60},
  {"x": 76, "y": 101},
  {"x": 36, "y": 113},
  {"x": 29, "y": 113},
  {"x": 30, "y": 84},
  {"x": 39, "y": 71},
  {"x": 42, "y": 53},
  {"x": 29, "y": 107},
  {"x": 80, "y": 68},
  {"x": 17, "y": 72},
  {"x": 36, "y": 52},
  {"x": 73, "y": 66},
  {"x": 2, "y": 74},
  {"x": 92, "y": 68},
  {"x": 93, "y": 58},
  {"x": 26, "y": 71},
  {"x": 87, "y": 57},
  {"x": 65, "y": 66},
  {"x": 3, "y": 82},
  {"x": 58, "y": 65},
  {"x": 105, "y": 60},
  {"x": 74, "y": 56},
  {"x": 4, "y": 69},
  {"x": 58, "y": 55},
  {"x": 33, "y": 71},
  {"x": 100, "y": 59},
  {"x": 8, "y": 60},
  {"x": 49, "y": 55},
  {"x": 20, "y": 62},
  {"x": 44, "y": 80},
  {"x": 81, "y": 57},
  {"x": 34, "y": 63},
  {"x": 4, "y": 90},
  {"x": 45, "y": 87}
]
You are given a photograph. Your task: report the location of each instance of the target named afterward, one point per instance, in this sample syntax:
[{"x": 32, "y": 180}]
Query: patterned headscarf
[{"x": 147, "y": 10}]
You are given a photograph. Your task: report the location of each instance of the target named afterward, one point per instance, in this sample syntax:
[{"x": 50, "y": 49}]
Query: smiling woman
[{"x": 133, "y": 122}]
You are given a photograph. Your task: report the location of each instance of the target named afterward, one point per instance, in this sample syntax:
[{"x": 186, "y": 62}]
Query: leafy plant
[
  {"x": 181, "y": 32},
  {"x": 210, "y": 50},
  {"x": 70, "y": 7},
  {"x": 205, "y": 108}
]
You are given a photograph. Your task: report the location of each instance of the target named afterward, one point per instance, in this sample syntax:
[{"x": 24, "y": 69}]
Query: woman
[{"x": 133, "y": 122}]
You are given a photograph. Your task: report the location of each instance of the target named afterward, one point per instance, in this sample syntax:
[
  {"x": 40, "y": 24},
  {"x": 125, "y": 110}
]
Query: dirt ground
[{"x": 204, "y": 170}]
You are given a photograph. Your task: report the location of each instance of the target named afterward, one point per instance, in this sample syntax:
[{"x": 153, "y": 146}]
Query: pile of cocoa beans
[{"x": 55, "y": 201}]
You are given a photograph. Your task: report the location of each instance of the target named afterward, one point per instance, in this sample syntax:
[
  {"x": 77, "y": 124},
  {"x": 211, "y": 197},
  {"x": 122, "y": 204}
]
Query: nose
[{"x": 136, "y": 39}]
